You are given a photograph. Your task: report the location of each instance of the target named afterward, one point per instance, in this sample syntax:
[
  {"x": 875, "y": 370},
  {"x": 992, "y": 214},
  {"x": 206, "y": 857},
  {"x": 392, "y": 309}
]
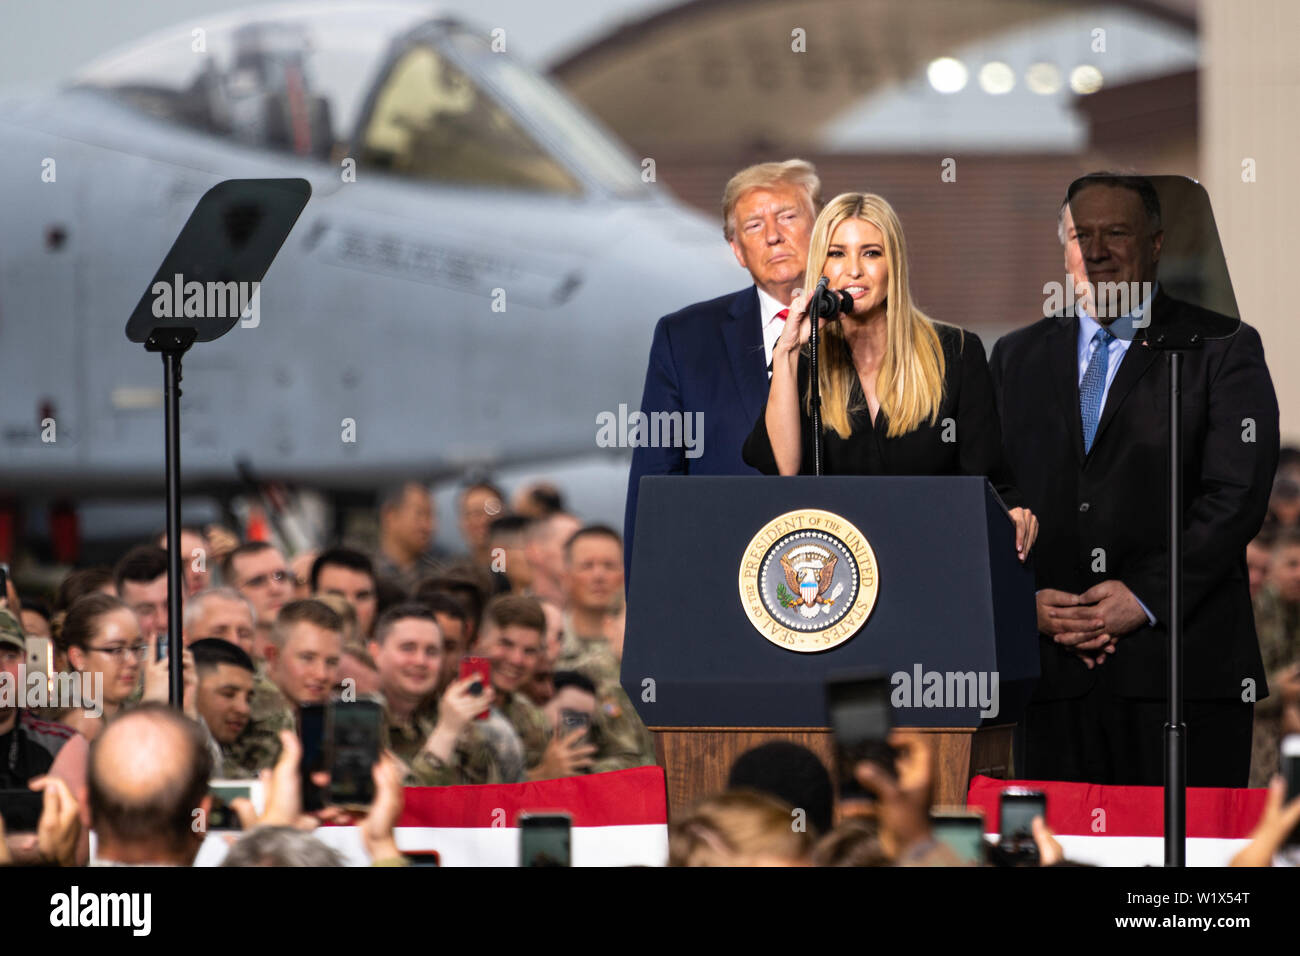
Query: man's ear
[
  {"x": 1157, "y": 243},
  {"x": 373, "y": 648},
  {"x": 739, "y": 253},
  {"x": 271, "y": 653}
]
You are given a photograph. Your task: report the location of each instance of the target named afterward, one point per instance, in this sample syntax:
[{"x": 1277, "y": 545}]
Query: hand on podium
[{"x": 1026, "y": 530}]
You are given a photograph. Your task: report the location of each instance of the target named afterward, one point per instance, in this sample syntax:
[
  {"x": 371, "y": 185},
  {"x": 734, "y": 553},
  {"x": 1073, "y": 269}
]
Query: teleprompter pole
[
  {"x": 173, "y": 344},
  {"x": 1174, "y": 342}
]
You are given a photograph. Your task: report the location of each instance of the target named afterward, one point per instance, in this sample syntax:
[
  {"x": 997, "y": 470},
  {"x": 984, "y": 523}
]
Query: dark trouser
[{"x": 1101, "y": 738}]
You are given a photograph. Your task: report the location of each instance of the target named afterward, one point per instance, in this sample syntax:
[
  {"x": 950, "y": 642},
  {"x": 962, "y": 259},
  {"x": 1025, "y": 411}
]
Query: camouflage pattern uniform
[
  {"x": 503, "y": 740},
  {"x": 529, "y": 723},
  {"x": 617, "y": 730},
  {"x": 472, "y": 762},
  {"x": 406, "y": 738},
  {"x": 258, "y": 746},
  {"x": 1277, "y": 623}
]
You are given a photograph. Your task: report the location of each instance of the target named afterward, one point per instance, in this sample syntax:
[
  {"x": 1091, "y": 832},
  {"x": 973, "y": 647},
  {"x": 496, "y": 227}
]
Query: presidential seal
[{"x": 808, "y": 580}]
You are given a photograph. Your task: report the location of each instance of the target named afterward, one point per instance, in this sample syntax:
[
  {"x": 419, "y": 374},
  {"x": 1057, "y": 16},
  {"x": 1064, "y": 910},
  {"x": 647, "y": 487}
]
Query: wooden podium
[
  {"x": 709, "y": 673},
  {"x": 697, "y": 760}
]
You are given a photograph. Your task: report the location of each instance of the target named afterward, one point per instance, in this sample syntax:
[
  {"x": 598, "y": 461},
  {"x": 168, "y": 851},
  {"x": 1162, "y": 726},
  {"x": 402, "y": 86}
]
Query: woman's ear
[{"x": 77, "y": 658}]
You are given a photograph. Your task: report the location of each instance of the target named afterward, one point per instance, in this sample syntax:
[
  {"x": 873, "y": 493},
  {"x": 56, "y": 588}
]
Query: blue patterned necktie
[{"x": 1093, "y": 385}]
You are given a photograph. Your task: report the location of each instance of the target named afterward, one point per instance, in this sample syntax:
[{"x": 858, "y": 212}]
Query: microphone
[{"x": 829, "y": 303}]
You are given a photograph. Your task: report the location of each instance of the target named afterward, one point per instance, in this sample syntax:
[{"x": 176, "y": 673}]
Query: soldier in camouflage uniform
[
  {"x": 512, "y": 638},
  {"x": 1277, "y": 622},
  {"x": 622, "y": 738},
  {"x": 258, "y": 746},
  {"x": 302, "y": 668},
  {"x": 419, "y": 726},
  {"x": 226, "y": 679},
  {"x": 528, "y": 722},
  {"x": 593, "y": 581}
]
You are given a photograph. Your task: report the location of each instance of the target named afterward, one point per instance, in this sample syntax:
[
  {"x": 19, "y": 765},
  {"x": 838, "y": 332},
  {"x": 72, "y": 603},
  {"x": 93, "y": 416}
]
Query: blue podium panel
[{"x": 953, "y": 624}]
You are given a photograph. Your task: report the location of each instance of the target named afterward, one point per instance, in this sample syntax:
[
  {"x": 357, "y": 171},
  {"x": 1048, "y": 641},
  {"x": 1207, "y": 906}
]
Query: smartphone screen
[
  {"x": 962, "y": 831},
  {"x": 355, "y": 750},
  {"x": 1018, "y": 809},
  {"x": 482, "y": 667},
  {"x": 422, "y": 857},
  {"x": 544, "y": 839},
  {"x": 860, "y": 717},
  {"x": 311, "y": 731},
  {"x": 571, "y": 720},
  {"x": 222, "y": 816},
  {"x": 21, "y": 810}
]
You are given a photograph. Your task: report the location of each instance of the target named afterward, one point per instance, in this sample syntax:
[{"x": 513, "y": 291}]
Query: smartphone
[
  {"x": 162, "y": 648},
  {"x": 483, "y": 668},
  {"x": 40, "y": 656},
  {"x": 422, "y": 857},
  {"x": 354, "y": 750},
  {"x": 861, "y": 718},
  {"x": 962, "y": 831},
  {"x": 571, "y": 720},
  {"x": 544, "y": 839},
  {"x": 21, "y": 809},
  {"x": 1290, "y": 768},
  {"x": 222, "y": 816},
  {"x": 311, "y": 731},
  {"x": 1015, "y": 824}
]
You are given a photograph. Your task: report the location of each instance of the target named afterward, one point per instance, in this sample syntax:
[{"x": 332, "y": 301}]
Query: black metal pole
[
  {"x": 173, "y": 343},
  {"x": 814, "y": 382},
  {"x": 1175, "y": 730},
  {"x": 172, "y": 399}
]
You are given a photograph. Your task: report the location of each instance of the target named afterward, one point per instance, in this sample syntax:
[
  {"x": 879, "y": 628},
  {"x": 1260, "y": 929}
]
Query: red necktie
[{"x": 783, "y": 314}]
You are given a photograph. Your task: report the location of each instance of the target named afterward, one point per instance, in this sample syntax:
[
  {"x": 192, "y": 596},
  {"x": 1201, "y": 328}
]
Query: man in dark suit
[
  {"x": 714, "y": 358},
  {"x": 1084, "y": 412}
]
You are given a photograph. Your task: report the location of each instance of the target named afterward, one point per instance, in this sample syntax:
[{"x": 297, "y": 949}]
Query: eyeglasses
[
  {"x": 138, "y": 651},
  {"x": 278, "y": 577}
]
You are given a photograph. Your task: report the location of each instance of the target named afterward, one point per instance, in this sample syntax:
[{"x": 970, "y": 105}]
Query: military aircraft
[{"x": 473, "y": 281}]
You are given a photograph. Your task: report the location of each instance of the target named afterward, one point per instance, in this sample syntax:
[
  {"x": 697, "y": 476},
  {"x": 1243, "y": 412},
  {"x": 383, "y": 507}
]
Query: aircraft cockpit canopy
[{"x": 389, "y": 85}]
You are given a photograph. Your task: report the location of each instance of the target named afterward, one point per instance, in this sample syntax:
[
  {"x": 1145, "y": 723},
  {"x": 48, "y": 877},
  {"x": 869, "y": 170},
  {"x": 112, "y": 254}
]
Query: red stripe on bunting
[
  {"x": 1072, "y": 808},
  {"x": 617, "y": 798}
]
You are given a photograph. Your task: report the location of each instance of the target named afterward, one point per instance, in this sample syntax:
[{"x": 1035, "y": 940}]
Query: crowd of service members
[{"x": 538, "y": 597}]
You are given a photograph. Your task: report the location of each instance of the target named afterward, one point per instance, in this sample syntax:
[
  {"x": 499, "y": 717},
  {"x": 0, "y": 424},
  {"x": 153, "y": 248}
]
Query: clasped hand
[{"x": 1090, "y": 623}]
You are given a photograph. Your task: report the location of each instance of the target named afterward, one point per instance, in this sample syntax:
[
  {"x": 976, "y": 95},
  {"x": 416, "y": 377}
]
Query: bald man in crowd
[{"x": 148, "y": 775}]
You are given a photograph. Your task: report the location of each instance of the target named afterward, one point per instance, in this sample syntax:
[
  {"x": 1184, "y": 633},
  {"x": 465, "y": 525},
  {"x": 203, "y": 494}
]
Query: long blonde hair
[{"x": 910, "y": 381}]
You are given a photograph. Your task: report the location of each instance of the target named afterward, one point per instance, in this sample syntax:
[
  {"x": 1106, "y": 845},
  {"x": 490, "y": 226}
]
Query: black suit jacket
[
  {"x": 706, "y": 358},
  {"x": 967, "y": 419},
  {"x": 1103, "y": 516}
]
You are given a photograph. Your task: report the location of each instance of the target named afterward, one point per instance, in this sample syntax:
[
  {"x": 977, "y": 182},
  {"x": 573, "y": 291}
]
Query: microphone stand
[{"x": 815, "y": 394}]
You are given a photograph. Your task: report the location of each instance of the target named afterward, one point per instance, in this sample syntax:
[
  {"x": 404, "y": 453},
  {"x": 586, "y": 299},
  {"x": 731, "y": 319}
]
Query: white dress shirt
[
  {"x": 1123, "y": 329},
  {"x": 768, "y": 307}
]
